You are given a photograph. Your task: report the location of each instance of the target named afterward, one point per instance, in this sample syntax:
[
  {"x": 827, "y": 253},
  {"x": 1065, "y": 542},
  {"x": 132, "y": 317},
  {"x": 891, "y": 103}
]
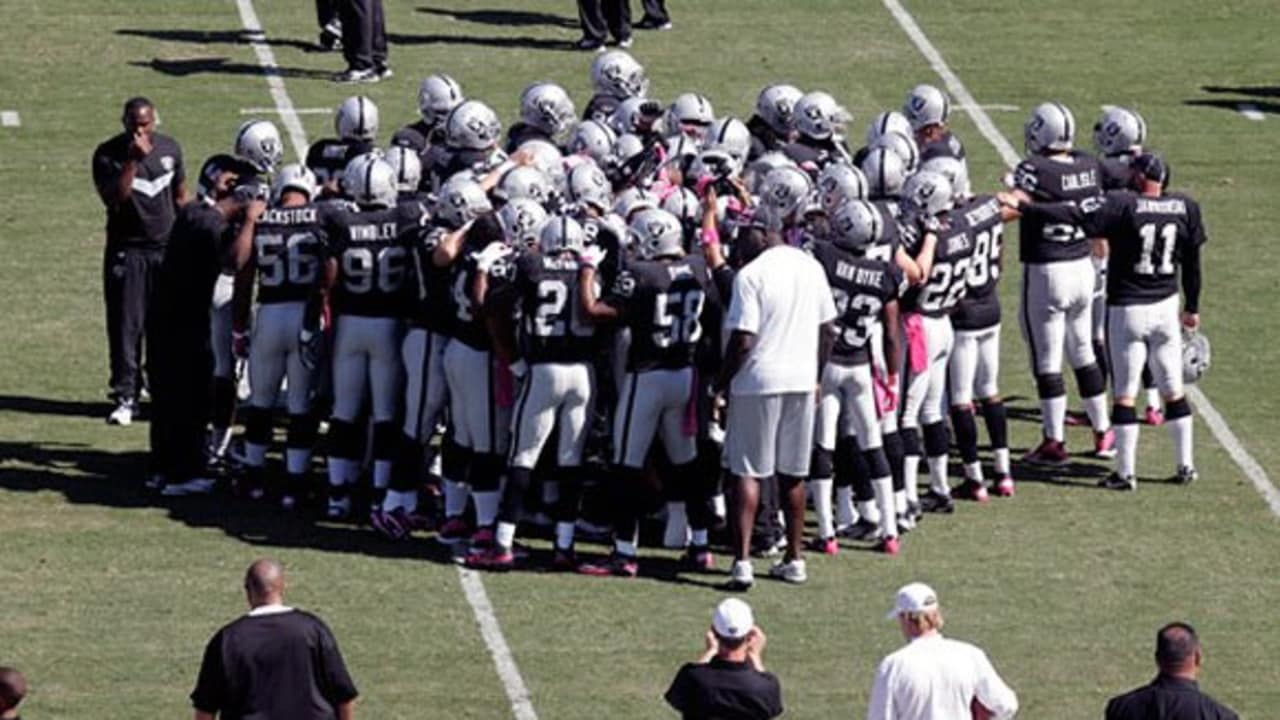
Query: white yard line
[
  {"x": 1251, "y": 111},
  {"x": 1217, "y": 424},
  {"x": 10, "y": 118},
  {"x": 276, "y": 111},
  {"x": 472, "y": 586}
]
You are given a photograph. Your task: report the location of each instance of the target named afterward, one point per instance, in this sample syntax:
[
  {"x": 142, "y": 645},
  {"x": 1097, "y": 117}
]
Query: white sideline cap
[
  {"x": 733, "y": 619},
  {"x": 914, "y": 598}
]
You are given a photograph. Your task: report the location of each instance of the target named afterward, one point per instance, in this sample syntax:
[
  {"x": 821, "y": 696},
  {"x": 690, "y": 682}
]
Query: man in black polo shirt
[
  {"x": 1174, "y": 694},
  {"x": 729, "y": 681},
  {"x": 275, "y": 662},
  {"x": 141, "y": 179}
]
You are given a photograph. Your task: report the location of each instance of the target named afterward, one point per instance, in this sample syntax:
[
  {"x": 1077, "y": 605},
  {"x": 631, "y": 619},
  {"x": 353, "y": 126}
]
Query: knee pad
[
  {"x": 877, "y": 463},
  {"x": 1124, "y": 415},
  {"x": 1091, "y": 380},
  {"x": 822, "y": 464},
  {"x": 302, "y": 432},
  {"x": 1051, "y": 385},
  {"x": 384, "y": 440},
  {"x": 910, "y": 441},
  {"x": 486, "y": 472},
  {"x": 454, "y": 460},
  {"x": 344, "y": 440},
  {"x": 893, "y": 451},
  {"x": 966, "y": 428},
  {"x": 935, "y": 439},
  {"x": 1175, "y": 409},
  {"x": 257, "y": 426},
  {"x": 996, "y": 417}
]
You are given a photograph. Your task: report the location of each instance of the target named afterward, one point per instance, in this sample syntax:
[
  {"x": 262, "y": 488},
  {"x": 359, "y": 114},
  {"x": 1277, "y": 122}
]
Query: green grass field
[{"x": 107, "y": 595}]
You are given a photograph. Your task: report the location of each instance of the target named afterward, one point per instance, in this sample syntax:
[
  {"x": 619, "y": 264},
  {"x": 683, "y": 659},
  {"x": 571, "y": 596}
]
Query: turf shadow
[
  {"x": 501, "y": 41},
  {"x": 504, "y": 18},
  {"x": 1272, "y": 108},
  {"x": 1252, "y": 90},
  {"x": 220, "y": 37},
  {"x": 50, "y": 406},
  {"x": 223, "y": 66}
]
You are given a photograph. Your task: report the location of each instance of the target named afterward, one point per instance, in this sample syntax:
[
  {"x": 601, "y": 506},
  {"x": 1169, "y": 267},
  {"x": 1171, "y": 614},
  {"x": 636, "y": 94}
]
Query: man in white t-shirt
[
  {"x": 932, "y": 677},
  {"x": 780, "y": 322}
]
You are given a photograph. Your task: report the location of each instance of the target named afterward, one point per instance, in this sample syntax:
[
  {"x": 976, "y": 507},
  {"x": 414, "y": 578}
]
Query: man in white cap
[
  {"x": 935, "y": 678},
  {"x": 728, "y": 682}
]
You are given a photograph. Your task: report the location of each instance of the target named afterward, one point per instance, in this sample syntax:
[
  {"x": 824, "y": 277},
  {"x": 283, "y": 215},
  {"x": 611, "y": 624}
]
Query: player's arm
[
  {"x": 908, "y": 265},
  {"x": 242, "y": 246},
  {"x": 925, "y": 259},
  {"x": 892, "y": 339},
  {"x": 316, "y": 302},
  {"x": 1191, "y": 279},
  {"x": 594, "y": 309},
  {"x": 710, "y": 235},
  {"x": 450, "y": 246},
  {"x": 202, "y": 715},
  {"x": 242, "y": 298},
  {"x": 347, "y": 710}
]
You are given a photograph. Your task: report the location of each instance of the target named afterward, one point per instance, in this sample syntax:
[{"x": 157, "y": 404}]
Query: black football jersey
[
  {"x": 428, "y": 289},
  {"x": 468, "y": 323},
  {"x": 605, "y": 234},
  {"x": 441, "y": 163},
  {"x": 1052, "y": 179},
  {"x": 545, "y": 289},
  {"x": 946, "y": 146},
  {"x": 289, "y": 248},
  {"x": 1114, "y": 172},
  {"x": 948, "y": 281},
  {"x": 327, "y": 158},
  {"x": 418, "y": 136},
  {"x": 522, "y": 132},
  {"x": 763, "y": 138},
  {"x": 600, "y": 108},
  {"x": 1148, "y": 239},
  {"x": 887, "y": 247},
  {"x": 813, "y": 155},
  {"x": 861, "y": 287},
  {"x": 980, "y": 307},
  {"x": 371, "y": 248},
  {"x": 664, "y": 303}
]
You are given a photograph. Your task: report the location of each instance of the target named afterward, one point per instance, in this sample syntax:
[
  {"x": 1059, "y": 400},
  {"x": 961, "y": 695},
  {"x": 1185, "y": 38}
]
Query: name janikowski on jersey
[
  {"x": 862, "y": 276},
  {"x": 289, "y": 216},
  {"x": 1164, "y": 206},
  {"x": 372, "y": 232}
]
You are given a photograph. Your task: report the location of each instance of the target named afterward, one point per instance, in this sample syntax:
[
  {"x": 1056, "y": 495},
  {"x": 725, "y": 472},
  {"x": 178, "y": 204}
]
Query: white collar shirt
[{"x": 936, "y": 678}]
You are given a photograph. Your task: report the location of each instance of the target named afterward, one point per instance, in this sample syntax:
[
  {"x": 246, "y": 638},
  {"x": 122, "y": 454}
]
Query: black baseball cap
[{"x": 1152, "y": 167}]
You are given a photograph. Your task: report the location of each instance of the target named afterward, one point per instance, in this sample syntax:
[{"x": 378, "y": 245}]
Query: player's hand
[
  {"x": 491, "y": 254},
  {"x": 309, "y": 347},
  {"x": 651, "y": 109},
  {"x": 519, "y": 369},
  {"x": 257, "y": 206},
  {"x": 141, "y": 145},
  {"x": 240, "y": 344},
  {"x": 591, "y": 256},
  {"x": 1191, "y": 321}
]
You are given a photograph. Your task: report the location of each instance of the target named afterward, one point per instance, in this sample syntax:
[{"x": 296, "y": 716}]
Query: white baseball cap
[
  {"x": 733, "y": 619},
  {"x": 914, "y": 598}
]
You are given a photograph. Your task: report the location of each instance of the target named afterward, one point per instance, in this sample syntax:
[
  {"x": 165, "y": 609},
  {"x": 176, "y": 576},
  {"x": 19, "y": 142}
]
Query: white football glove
[
  {"x": 519, "y": 369},
  {"x": 591, "y": 256},
  {"x": 493, "y": 252}
]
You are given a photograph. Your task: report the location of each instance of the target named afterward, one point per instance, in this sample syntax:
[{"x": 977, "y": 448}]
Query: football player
[
  {"x": 594, "y": 140},
  {"x": 551, "y": 358},
  {"x": 285, "y": 250},
  {"x": 546, "y": 112},
  {"x": 471, "y": 135},
  {"x": 820, "y": 123},
  {"x": 615, "y": 76},
  {"x": 773, "y": 125},
  {"x": 356, "y": 123},
  {"x": 365, "y": 272},
  {"x": 885, "y": 122},
  {"x": 438, "y": 95},
  {"x": 866, "y": 295},
  {"x": 1153, "y": 237},
  {"x": 691, "y": 116},
  {"x": 661, "y": 298},
  {"x": 928, "y": 109},
  {"x": 1058, "y": 282}
]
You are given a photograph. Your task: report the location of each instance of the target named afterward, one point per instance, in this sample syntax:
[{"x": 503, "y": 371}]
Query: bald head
[
  {"x": 13, "y": 688},
  {"x": 264, "y": 582},
  {"x": 1178, "y": 649}
]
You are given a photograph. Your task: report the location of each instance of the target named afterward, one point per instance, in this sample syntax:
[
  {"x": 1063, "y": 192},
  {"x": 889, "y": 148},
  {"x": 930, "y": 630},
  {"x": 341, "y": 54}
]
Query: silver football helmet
[
  {"x": 954, "y": 170},
  {"x": 885, "y": 172},
  {"x": 633, "y": 200},
  {"x": 627, "y": 148},
  {"x": 547, "y": 107},
  {"x": 407, "y": 166},
  {"x": 819, "y": 116},
  {"x": 776, "y": 106},
  {"x": 616, "y": 74},
  {"x": 258, "y": 143},
  {"x": 521, "y": 221},
  {"x": 730, "y": 135},
  {"x": 1196, "y": 355},
  {"x": 627, "y": 117},
  {"x": 684, "y": 205},
  {"x": 839, "y": 183},
  {"x": 368, "y": 180},
  {"x": 783, "y": 196},
  {"x": 926, "y": 105},
  {"x": 587, "y": 186},
  {"x": 856, "y": 224},
  {"x": 357, "y": 119},
  {"x": 928, "y": 193},
  {"x": 1051, "y": 128},
  {"x": 461, "y": 200},
  {"x": 438, "y": 95},
  {"x": 904, "y": 145},
  {"x": 656, "y": 233},
  {"x": 524, "y": 181},
  {"x": 761, "y": 168},
  {"x": 593, "y": 139},
  {"x": 1120, "y": 130},
  {"x": 547, "y": 158},
  {"x": 888, "y": 121},
  {"x": 297, "y": 177},
  {"x": 561, "y": 233},
  {"x": 690, "y": 114},
  {"x": 472, "y": 126}
]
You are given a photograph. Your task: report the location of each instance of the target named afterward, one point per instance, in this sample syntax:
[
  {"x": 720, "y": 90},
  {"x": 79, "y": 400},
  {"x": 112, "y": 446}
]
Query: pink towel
[
  {"x": 886, "y": 393},
  {"x": 504, "y": 384},
  {"x": 690, "y": 426},
  {"x": 917, "y": 347}
]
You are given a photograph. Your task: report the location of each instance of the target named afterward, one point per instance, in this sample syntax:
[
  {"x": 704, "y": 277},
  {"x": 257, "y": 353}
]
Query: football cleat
[
  {"x": 482, "y": 539},
  {"x": 1076, "y": 419},
  {"x": 906, "y": 523},
  {"x": 790, "y": 571},
  {"x": 495, "y": 557},
  {"x": 698, "y": 558},
  {"x": 1186, "y": 475},
  {"x": 123, "y": 413},
  {"x": 356, "y": 75},
  {"x": 861, "y": 530},
  {"x": 1115, "y": 481},
  {"x": 564, "y": 560},
  {"x": 936, "y": 502},
  {"x": 889, "y": 546},
  {"x": 1154, "y": 416},
  {"x": 195, "y": 486},
  {"x": 339, "y": 508},
  {"x": 915, "y": 511},
  {"x": 741, "y": 576},
  {"x": 825, "y": 546},
  {"x": 454, "y": 530},
  {"x": 973, "y": 490},
  {"x": 616, "y": 565},
  {"x": 1104, "y": 444},
  {"x": 1050, "y": 452},
  {"x": 1005, "y": 487},
  {"x": 392, "y": 525}
]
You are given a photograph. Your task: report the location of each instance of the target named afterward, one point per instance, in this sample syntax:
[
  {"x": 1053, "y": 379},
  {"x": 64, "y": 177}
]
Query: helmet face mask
[
  {"x": 1197, "y": 355},
  {"x": 818, "y": 116},
  {"x": 258, "y": 143}
]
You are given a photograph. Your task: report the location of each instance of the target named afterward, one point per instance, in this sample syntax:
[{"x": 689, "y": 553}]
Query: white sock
[
  {"x": 396, "y": 499},
  {"x": 342, "y": 471},
  {"x": 677, "y": 530},
  {"x": 1002, "y": 461},
  {"x": 220, "y": 440},
  {"x": 1053, "y": 412},
  {"x": 455, "y": 498},
  {"x": 297, "y": 460},
  {"x": 486, "y": 506},
  {"x": 973, "y": 471},
  {"x": 436, "y": 467},
  {"x": 381, "y": 474},
  {"x": 910, "y": 476},
  {"x": 699, "y": 538},
  {"x": 625, "y": 547},
  {"x": 820, "y": 489},
  {"x": 550, "y": 492},
  {"x": 1096, "y": 408},
  {"x": 1153, "y": 398},
  {"x": 844, "y": 507},
  {"x": 938, "y": 475},
  {"x": 564, "y": 535},
  {"x": 885, "y": 501},
  {"x": 1127, "y": 449},
  {"x": 718, "y": 503},
  {"x": 1180, "y": 431},
  {"x": 899, "y": 502},
  {"x": 867, "y": 511},
  {"x": 255, "y": 455},
  {"x": 505, "y": 535}
]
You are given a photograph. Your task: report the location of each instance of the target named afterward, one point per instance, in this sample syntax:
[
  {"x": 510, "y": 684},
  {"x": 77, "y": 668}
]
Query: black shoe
[
  {"x": 625, "y": 42},
  {"x": 649, "y": 23},
  {"x": 937, "y": 503},
  {"x": 587, "y": 44},
  {"x": 329, "y": 41},
  {"x": 861, "y": 530},
  {"x": 355, "y": 75},
  {"x": 1186, "y": 475},
  {"x": 383, "y": 72},
  {"x": 914, "y": 511},
  {"x": 1115, "y": 481}
]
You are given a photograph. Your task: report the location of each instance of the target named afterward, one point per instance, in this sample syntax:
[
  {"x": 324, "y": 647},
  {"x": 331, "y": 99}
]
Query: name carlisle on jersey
[
  {"x": 980, "y": 307},
  {"x": 663, "y": 305},
  {"x": 1054, "y": 179},
  {"x": 289, "y": 250},
  {"x": 860, "y": 287}
]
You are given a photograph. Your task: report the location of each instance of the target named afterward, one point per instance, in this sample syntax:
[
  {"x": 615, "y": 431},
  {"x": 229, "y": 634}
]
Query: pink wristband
[{"x": 710, "y": 236}]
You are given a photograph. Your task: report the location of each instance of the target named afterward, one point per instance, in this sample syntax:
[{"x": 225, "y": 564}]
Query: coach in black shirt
[
  {"x": 729, "y": 681},
  {"x": 1174, "y": 694},
  {"x": 141, "y": 179},
  {"x": 276, "y": 663}
]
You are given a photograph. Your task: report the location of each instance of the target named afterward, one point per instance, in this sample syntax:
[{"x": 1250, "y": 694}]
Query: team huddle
[{"x": 571, "y": 293}]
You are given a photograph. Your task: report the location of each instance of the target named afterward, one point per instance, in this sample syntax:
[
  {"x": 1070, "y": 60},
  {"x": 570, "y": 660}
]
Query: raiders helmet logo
[
  {"x": 917, "y": 105},
  {"x": 656, "y": 229},
  {"x": 785, "y": 109}
]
